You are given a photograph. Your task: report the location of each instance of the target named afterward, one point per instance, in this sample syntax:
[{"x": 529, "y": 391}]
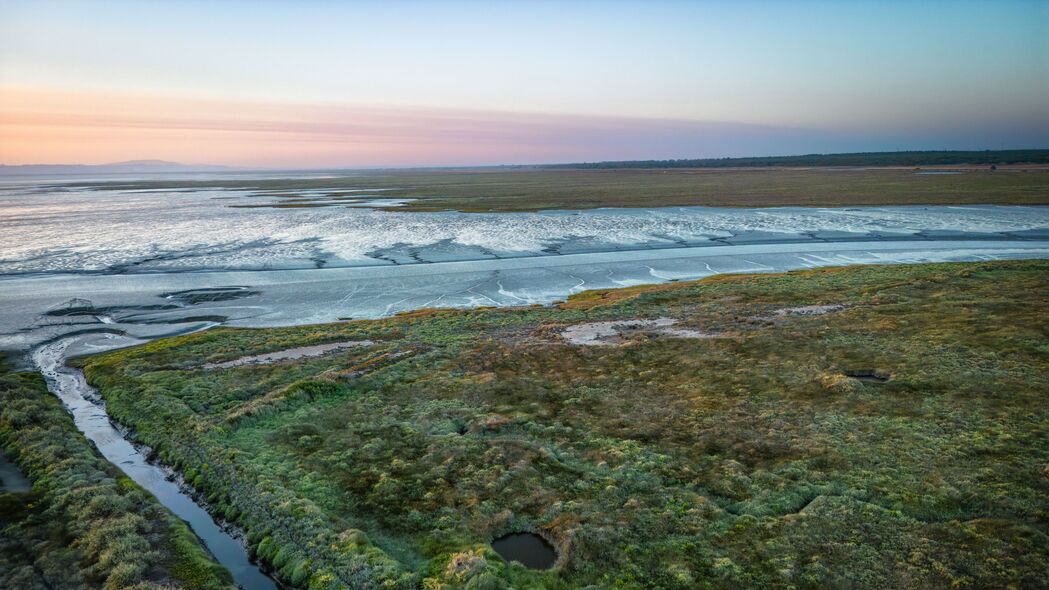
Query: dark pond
[
  {"x": 869, "y": 376},
  {"x": 529, "y": 549}
]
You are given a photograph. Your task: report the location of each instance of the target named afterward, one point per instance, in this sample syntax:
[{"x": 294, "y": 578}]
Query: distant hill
[
  {"x": 914, "y": 158},
  {"x": 131, "y": 166}
]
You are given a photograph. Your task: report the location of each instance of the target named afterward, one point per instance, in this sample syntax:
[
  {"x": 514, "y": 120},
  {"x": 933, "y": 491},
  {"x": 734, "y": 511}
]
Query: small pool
[
  {"x": 529, "y": 549},
  {"x": 11, "y": 477},
  {"x": 869, "y": 376}
]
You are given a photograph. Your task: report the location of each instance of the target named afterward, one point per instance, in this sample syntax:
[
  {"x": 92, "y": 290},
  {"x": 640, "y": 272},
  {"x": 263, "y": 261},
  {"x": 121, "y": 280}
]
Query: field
[
  {"x": 910, "y": 159},
  {"x": 864, "y": 427},
  {"x": 84, "y": 524},
  {"x": 536, "y": 189}
]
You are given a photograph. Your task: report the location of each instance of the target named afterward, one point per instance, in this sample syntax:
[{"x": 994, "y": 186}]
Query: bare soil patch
[
  {"x": 289, "y": 354},
  {"x": 614, "y": 332},
  {"x": 809, "y": 310}
]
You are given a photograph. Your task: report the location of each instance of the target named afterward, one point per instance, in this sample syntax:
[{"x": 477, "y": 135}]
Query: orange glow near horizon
[
  {"x": 46, "y": 126},
  {"x": 523, "y": 82},
  {"x": 64, "y": 126},
  {"x": 58, "y": 126}
]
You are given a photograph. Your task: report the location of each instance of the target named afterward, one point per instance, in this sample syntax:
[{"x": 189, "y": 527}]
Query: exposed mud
[
  {"x": 614, "y": 332},
  {"x": 83, "y": 307},
  {"x": 209, "y": 294},
  {"x": 289, "y": 354},
  {"x": 806, "y": 310}
]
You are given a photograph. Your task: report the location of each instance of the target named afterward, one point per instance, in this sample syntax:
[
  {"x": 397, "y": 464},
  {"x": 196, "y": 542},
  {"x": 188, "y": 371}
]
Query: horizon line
[{"x": 237, "y": 168}]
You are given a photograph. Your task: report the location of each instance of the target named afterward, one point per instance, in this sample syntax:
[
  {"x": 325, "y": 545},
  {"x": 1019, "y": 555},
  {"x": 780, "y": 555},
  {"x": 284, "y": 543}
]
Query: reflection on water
[
  {"x": 529, "y": 549},
  {"x": 91, "y": 419}
]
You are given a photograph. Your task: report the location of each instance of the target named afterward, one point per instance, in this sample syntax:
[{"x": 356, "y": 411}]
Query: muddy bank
[
  {"x": 289, "y": 354},
  {"x": 616, "y": 332},
  {"x": 806, "y": 310},
  {"x": 529, "y": 549},
  {"x": 611, "y": 333}
]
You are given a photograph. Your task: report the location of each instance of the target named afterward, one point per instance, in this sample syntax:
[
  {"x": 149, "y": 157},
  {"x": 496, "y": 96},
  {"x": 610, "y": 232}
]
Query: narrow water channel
[{"x": 91, "y": 419}]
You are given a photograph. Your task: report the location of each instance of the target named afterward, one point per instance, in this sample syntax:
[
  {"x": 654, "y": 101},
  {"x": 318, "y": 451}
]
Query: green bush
[{"x": 86, "y": 524}]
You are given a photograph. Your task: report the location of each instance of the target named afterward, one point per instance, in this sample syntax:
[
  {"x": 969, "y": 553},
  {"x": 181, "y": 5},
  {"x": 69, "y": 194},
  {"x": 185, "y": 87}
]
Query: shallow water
[
  {"x": 529, "y": 549},
  {"x": 33, "y": 308},
  {"x": 91, "y": 418},
  {"x": 54, "y": 228},
  {"x": 300, "y": 352},
  {"x": 11, "y": 477}
]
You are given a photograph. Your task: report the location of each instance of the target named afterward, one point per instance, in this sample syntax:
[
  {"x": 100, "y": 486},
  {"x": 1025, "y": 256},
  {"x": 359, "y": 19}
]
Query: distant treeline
[{"x": 916, "y": 158}]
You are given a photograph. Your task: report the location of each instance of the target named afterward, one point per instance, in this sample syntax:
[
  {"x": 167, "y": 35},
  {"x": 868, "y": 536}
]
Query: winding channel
[{"x": 90, "y": 417}]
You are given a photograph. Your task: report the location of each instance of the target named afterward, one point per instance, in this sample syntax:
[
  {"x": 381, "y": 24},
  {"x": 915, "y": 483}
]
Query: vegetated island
[
  {"x": 1020, "y": 177},
  {"x": 869, "y": 427}
]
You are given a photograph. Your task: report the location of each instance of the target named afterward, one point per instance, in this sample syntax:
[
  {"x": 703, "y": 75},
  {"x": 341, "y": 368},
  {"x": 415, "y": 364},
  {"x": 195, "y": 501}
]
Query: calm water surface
[
  {"x": 90, "y": 417},
  {"x": 529, "y": 549}
]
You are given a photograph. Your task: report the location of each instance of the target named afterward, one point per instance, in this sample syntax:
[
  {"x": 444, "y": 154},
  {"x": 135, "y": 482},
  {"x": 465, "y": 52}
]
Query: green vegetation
[
  {"x": 747, "y": 460},
  {"x": 85, "y": 524},
  {"x": 536, "y": 189},
  {"x": 911, "y": 158}
]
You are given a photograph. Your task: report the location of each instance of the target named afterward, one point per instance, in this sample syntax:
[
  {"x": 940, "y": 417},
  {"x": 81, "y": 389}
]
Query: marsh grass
[
  {"x": 745, "y": 461},
  {"x": 536, "y": 189},
  {"x": 85, "y": 524}
]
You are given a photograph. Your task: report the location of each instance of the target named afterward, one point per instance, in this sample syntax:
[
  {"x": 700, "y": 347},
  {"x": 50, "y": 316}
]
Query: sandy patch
[
  {"x": 615, "y": 332},
  {"x": 809, "y": 310},
  {"x": 289, "y": 354}
]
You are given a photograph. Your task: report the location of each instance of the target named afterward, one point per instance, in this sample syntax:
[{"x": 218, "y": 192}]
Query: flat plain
[
  {"x": 862, "y": 427},
  {"x": 533, "y": 189}
]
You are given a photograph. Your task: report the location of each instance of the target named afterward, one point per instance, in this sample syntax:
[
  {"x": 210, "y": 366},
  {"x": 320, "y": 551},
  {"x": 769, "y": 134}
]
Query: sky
[{"x": 357, "y": 84}]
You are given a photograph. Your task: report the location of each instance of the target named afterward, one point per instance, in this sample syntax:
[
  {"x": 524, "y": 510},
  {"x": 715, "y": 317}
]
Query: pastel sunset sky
[{"x": 356, "y": 84}]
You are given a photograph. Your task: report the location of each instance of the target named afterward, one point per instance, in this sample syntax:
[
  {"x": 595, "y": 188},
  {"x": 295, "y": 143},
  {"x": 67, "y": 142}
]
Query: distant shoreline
[
  {"x": 542, "y": 189},
  {"x": 863, "y": 160},
  {"x": 906, "y": 159}
]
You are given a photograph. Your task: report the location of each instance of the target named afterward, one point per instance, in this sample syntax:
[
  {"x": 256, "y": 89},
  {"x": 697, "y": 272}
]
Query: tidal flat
[
  {"x": 537, "y": 188},
  {"x": 632, "y": 436},
  {"x": 759, "y": 458}
]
